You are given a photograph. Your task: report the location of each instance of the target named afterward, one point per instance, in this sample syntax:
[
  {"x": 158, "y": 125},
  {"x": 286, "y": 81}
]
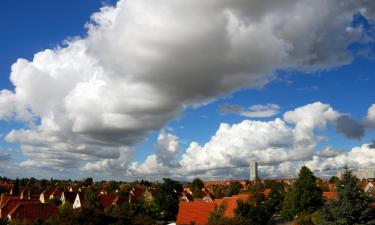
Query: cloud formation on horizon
[{"x": 142, "y": 63}]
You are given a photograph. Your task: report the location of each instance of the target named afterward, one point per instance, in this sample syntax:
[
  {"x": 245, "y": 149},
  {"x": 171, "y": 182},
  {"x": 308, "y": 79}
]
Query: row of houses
[
  {"x": 198, "y": 211},
  {"x": 28, "y": 207}
]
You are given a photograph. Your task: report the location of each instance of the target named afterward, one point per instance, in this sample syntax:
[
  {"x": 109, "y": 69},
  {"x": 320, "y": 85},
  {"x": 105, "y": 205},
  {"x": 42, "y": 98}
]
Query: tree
[
  {"x": 88, "y": 181},
  {"x": 304, "y": 198},
  {"x": 56, "y": 201},
  {"x": 197, "y": 186},
  {"x": 333, "y": 180},
  {"x": 276, "y": 197},
  {"x": 352, "y": 206},
  {"x": 255, "y": 210},
  {"x": 113, "y": 186},
  {"x": 167, "y": 198},
  {"x": 91, "y": 201},
  {"x": 16, "y": 188},
  {"x": 233, "y": 189}
]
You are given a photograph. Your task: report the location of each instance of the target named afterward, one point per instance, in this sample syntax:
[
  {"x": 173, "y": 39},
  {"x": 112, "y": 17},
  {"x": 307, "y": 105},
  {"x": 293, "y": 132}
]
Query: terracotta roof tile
[
  {"x": 197, "y": 212},
  {"x": 10, "y": 204},
  {"x": 330, "y": 195},
  {"x": 27, "y": 212},
  {"x": 107, "y": 200}
]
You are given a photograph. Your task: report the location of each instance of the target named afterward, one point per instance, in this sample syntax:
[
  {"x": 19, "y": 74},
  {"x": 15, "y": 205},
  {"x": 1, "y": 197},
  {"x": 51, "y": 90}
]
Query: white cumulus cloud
[{"x": 142, "y": 62}]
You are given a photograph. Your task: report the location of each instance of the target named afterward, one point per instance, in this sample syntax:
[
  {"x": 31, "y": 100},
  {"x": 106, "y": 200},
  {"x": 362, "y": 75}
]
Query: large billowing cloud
[
  {"x": 273, "y": 142},
  {"x": 143, "y": 61},
  {"x": 280, "y": 146}
]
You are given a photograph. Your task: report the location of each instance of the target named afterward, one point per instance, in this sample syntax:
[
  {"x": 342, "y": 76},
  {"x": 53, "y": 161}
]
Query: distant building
[
  {"x": 360, "y": 174},
  {"x": 253, "y": 171}
]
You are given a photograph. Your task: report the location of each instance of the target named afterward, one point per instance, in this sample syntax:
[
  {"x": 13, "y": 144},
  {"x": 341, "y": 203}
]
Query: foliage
[
  {"x": 3, "y": 189},
  {"x": 333, "y": 180},
  {"x": 197, "y": 186},
  {"x": 276, "y": 197},
  {"x": 167, "y": 198},
  {"x": 88, "y": 181},
  {"x": 352, "y": 206},
  {"x": 113, "y": 186},
  {"x": 218, "y": 192},
  {"x": 66, "y": 209},
  {"x": 91, "y": 201},
  {"x": 304, "y": 198},
  {"x": 56, "y": 201},
  {"x": 16, "y": 188},
  {"x": 134, "y": 213},
  {"x": 233, "y": 189}
]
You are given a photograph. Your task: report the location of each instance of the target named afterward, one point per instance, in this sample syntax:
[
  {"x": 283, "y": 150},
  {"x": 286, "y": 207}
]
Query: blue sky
[{"x": 29, "y": 27}]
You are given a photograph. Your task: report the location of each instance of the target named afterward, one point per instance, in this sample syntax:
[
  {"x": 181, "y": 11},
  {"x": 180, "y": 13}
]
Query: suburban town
[
  {"x": 187, "y": 112},
  {"x": 302, "y": 200}
]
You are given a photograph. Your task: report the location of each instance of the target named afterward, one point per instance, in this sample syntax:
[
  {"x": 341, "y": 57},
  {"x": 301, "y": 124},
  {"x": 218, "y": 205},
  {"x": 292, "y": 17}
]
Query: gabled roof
[
  {"x": 230, "y": 203},
  {"x": 5, "y": 198},
  {"x": 11, "y": 203},
  {"x": 32, "y": 211},
  {"x": 107, "y": 200},
  {"x": 70, "y": 196},
  {"x": 56, "y": 193},
  {"x": 197, "y": 212}
]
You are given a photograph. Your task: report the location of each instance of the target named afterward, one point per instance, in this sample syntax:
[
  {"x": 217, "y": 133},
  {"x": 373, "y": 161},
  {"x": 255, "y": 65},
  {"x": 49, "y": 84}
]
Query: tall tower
[{"x": 253, "y": 171}]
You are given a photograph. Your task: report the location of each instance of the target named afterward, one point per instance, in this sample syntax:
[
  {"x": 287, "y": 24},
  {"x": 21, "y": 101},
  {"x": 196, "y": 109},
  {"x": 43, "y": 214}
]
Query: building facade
[{"x": 253, "y": 171}]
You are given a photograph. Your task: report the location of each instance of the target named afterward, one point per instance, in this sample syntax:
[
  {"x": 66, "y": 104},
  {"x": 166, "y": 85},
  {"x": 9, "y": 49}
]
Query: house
[
  {"x": 56, "y": 194},
  {"x": 149, "y": 194},
  {"x": 108, "y": 200},
  {"x": 45, "y": 196},
  {"x": 208, "y": 197},
  {"x": 196, "y": 213},
  {"x": 67, "y": 196},
  {"x": 369, "y": 187},
  {"x": 199, "y": 211},
  {"x": 186, "y": 197},
  {"x": 10, "y": 204},
  {"x": 78, "y": 201},
  {"x": 4, "y": 198},
  {"x": 230, "y": 203},
  {"x": 26, "y": 212}
]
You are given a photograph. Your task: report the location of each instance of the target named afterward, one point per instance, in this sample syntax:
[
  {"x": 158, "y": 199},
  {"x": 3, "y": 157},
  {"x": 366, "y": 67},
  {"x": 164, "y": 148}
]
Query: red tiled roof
[
  {"x": 267, "y": 192},
  {"x": 56, "y": 193},
  {"x": 197, "y": 212},
  {"x": 107, "y": 200},
  {"x": 330, "y": 195},
  {"x": 10, "y": 204},
  {"x": 230, "y": 203},
  {"x": 27, "y": 212},
  {"x": 5, "y": 198}
]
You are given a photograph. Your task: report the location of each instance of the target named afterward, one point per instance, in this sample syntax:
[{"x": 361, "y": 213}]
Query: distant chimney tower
[{"x": 253, "y": 171}]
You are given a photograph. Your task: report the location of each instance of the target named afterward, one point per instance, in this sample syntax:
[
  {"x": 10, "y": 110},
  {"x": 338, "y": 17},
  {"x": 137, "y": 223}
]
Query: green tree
[
  {"x": 113, "y": 186},
  {"x": 233, "y": 189},
  {"x": 352, "y": 206},
  {"x": 197, "y": 186},
  {"x": 91, "y": 201},
  {"x": 88, "y": 181},
  {"x": 333, "y": 180},
  {"x": 218, "y": 192},
  {"x": 167, "y": 198},
  {"x": 304, "y": 198},
  {"x": 56, "y": 201},
  {"x": 16, "y": 188},
  {"x": 276, "y": 197}
]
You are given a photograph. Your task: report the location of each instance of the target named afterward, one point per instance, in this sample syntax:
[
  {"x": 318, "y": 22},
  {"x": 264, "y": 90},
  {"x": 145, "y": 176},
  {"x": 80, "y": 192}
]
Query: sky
[{"x": 142, "y": 89}]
